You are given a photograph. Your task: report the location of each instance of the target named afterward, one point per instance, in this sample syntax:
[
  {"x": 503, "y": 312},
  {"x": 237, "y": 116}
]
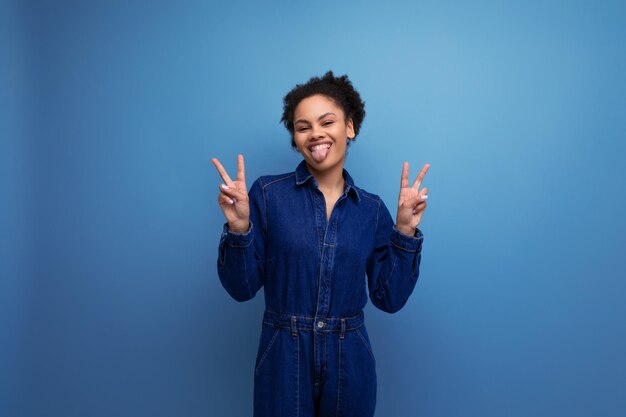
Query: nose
[{"x": 317, "y": 131}]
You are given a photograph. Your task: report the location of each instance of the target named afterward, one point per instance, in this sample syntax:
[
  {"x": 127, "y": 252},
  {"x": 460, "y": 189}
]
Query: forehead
[{"x": 314, "y": 106}]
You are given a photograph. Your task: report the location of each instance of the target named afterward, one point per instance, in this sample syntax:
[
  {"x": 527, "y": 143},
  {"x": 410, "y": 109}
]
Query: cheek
[
  {"x": 341, "y": 146},
  {"x": 298, "y": 142}
]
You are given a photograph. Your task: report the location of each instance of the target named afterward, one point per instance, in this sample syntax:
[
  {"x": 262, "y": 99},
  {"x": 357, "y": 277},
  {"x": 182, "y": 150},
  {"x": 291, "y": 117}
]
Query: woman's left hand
[{"x": 411, "y": 202}]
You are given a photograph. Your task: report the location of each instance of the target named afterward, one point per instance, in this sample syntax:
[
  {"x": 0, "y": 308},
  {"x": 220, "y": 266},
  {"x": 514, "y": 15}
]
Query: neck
[{"x": 329, "y": 180}]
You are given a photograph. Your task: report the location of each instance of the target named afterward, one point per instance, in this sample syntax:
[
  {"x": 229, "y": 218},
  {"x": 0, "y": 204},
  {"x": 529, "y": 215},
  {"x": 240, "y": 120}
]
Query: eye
[
  {"x": 302, "y": 129},
  {"x": 328, "y": 123}
]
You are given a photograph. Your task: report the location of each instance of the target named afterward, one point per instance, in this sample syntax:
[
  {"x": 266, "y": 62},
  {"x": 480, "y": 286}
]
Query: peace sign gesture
[
  {"x": 233, "y": 197},
  {"x": 411, "y": 202}
]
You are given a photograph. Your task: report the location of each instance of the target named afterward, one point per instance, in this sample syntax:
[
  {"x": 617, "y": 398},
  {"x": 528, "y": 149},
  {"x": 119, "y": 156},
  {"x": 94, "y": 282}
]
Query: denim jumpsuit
[{"x": 314, "y": 356}]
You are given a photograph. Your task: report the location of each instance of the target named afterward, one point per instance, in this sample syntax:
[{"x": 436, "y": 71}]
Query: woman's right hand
[{"x": 233, "y": 197}]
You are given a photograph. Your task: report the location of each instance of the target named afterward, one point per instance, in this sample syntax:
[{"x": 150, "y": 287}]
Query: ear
[{"x": 350, "y": 129}]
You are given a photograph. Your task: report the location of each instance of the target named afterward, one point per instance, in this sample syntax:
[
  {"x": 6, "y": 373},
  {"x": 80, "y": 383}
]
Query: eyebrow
[{"x": 319, "y": 118}]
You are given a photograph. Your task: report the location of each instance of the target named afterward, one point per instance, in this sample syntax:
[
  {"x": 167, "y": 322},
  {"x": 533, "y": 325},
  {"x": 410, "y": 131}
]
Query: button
[{"x": 320, "y": 324}]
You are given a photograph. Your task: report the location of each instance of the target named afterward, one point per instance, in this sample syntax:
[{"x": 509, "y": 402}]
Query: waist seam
[
  {"x": 310, "y": 328},
  {"x": 289, "y": 315},
  {"x": 297, "y": 322}
]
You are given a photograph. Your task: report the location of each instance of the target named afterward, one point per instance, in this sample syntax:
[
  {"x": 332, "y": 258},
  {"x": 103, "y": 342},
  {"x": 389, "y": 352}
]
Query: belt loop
[
  {"x": 343, "y": 329},
  {"x": 294, "y": 329}
]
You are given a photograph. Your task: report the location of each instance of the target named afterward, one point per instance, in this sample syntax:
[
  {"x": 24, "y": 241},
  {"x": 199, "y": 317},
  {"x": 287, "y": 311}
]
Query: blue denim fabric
[{"x": 314, "y": 356}]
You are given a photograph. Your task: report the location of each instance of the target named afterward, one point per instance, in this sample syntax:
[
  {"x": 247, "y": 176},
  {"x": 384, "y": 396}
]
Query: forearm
[
  {"x": 396, "y": 271},
  {"x": 238, "y": 264}
]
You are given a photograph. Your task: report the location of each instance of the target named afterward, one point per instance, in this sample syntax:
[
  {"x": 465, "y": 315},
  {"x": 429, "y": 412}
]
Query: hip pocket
[
  {"x": 364, "y": 337},
  {"x": 268, "y": 337}
]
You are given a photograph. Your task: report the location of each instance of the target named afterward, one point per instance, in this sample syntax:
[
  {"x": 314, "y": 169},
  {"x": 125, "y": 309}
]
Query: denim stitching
[
  {"x": 310, "y": 329},
  {"x": 414, "y": 270},
  {"x": 298, "y": 376},
  {"x": 221, "y": 252},
  {"x": 313, "y": 318},
  {"x": 377, "y": 217},
  {"x": 278, "y": 179},
  {"x": 376, "y": 200},
  {"x": 245, "y": 274},
  {"x": 263, "y": 187},
  {"x": 357, "y": 191},
  {"x": 322, "y": 266},
  {"x": 234, "y": 245},
  {"x": 369, "y": 349},
  {"x": 325, "y": 360},
  {"x": 294, "y": 329},
  {"x": 404, "y": 249},
  {"x": 339, "y": 380},
  {"x": 264, "y": 205},
  {"x": 390, "y": 274},
  {"x": 317, "y": 230},
  {"x": 266, "y": 352}
]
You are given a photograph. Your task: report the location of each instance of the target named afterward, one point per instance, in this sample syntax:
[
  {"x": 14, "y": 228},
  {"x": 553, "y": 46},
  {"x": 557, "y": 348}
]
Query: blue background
[{"x": 110, "y": 304}]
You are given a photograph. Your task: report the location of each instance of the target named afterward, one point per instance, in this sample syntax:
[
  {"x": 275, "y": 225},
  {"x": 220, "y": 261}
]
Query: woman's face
[{"x": 320, "y": 132}]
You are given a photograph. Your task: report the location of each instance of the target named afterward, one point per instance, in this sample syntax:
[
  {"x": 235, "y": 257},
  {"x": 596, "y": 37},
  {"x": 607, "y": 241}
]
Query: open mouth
[{"x": 320, "y": 152}]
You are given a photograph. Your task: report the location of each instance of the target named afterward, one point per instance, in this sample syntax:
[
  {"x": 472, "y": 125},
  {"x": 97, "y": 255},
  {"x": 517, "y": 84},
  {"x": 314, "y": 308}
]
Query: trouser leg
[
  {"x": 283, "y": 376},
  {"x": 349, "y": 388},
  {"x": 304, "y": 370}
]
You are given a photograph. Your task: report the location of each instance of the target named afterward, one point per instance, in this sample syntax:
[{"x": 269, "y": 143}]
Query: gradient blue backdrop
[{"x": 110, "y": 304}]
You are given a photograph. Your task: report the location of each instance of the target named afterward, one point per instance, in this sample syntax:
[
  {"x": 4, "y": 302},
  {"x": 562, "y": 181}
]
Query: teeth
[{"x": 322, "y": 146}]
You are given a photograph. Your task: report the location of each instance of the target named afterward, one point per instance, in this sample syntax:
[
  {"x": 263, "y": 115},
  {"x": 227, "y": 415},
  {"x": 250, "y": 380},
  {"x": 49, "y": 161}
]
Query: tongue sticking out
[{"x": 320, "y": 154}]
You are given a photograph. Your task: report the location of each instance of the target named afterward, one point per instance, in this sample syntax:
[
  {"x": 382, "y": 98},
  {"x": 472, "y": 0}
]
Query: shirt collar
[{"x": 303, "y": 175}]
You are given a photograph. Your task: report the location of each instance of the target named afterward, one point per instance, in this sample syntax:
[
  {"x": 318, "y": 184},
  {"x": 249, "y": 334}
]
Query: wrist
[
  {"x": 406, "y": 230},
  {"x": 241, "y": 229}
]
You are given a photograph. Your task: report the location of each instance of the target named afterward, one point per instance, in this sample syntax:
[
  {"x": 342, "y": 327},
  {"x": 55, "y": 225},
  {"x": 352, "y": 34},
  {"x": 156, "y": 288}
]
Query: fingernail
[
  {"x": 230, "y": 200},
  {"x": 424, "y": 197},
  {"x": 224, "y": 186}
]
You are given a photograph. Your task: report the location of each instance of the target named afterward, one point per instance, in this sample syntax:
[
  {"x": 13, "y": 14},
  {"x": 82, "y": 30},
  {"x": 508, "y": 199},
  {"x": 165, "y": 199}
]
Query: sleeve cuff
[
  {"x": 407, "y": 243},
  {"x": 237, "y": 240}
]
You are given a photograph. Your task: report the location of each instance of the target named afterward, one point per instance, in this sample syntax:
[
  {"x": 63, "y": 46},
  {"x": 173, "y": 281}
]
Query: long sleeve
[
  {"x": 241, "y": 256},
  {"x": 393, "y": 268}
]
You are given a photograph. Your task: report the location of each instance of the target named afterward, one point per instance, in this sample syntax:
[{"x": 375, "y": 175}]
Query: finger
[
  {"x": 233, "y": 192},
  {"x": 417, "y": 199},
  {"x": 413, "y": 201},
  {"x": 421, "y": 201},
  {"x": 419, "y": 208},
  {"x": 224, "y": 199},
  {"x": 421, "y": 205},
  {"x": 404, "y": 179},
  {"x": 420, "y": 176},
  {"x": 221, "y": 171},
  {"x": 241, "y": 171}
]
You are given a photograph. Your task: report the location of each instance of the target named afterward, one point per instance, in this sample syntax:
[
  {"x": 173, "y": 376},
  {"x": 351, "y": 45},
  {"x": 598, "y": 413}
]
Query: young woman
[{"x": 310, "y": 237}]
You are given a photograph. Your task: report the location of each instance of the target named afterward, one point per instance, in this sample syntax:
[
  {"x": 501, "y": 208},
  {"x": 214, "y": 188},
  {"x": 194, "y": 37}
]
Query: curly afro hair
[{"x": 338, "y": 89}]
